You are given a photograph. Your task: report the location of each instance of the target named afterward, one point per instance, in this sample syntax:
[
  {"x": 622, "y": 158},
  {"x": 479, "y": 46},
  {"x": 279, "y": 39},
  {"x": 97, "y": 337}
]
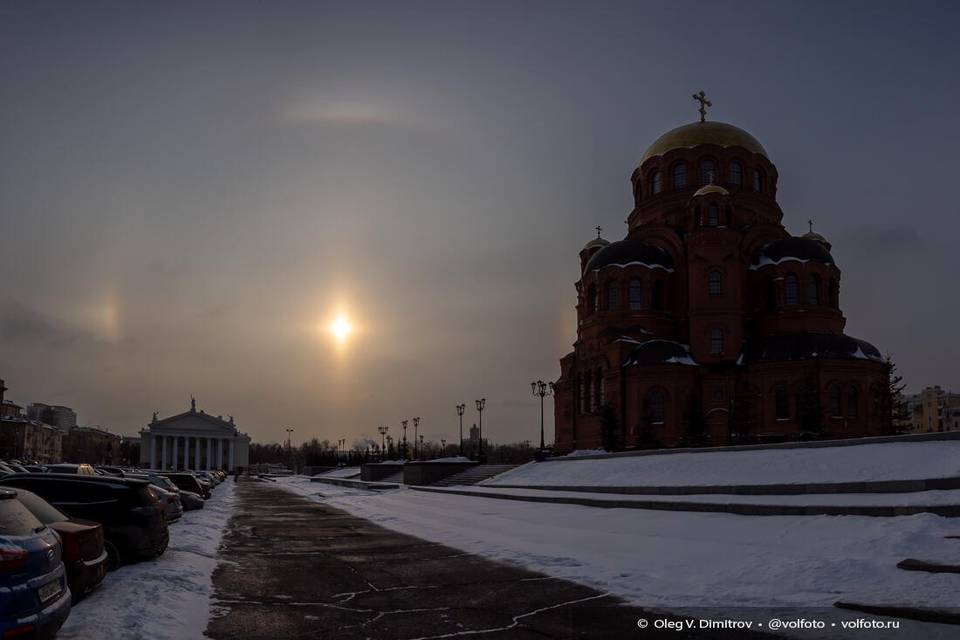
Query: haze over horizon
[{"x": 191, "y": 193}]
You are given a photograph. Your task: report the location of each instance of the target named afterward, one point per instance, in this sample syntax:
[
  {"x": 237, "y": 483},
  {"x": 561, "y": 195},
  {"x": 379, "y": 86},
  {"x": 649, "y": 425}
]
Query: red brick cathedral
[{"x": 709, "y": 324}]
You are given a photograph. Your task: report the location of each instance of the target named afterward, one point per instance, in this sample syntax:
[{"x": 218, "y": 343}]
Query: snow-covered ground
[
  {"x": 163, "y": 599},
  {"x": 887, "y": 461},
  {"x": 678, "y": 561},
  {"x": 924, "y": 498},
  {"x": 342, "y": 472}
]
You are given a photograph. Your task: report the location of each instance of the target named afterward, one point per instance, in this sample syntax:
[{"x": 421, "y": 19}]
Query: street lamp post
[
  {"x": 383, "y": 432},
  {"x": 421, "y": 445},
  {"x": 481, "y": 403},
  {"x": 404, "y": 423},
  {"x": 460, "y": 409},
  {"x": 290, "y": 447},
  {"x": 417, "y": 452},
  {"x": 542, "y": 389}
]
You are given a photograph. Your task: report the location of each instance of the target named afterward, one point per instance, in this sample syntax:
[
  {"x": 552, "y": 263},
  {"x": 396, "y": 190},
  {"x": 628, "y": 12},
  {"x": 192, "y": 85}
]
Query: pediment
[{"x": 194, "y": 422}]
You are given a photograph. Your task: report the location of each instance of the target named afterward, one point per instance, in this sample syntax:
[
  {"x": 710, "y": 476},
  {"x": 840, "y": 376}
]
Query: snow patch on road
[{"x": 163, "y": 599}]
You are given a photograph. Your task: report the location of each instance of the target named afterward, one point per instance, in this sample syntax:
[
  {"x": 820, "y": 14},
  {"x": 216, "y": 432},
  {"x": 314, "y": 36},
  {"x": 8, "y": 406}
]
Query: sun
[{"x": 341, "y": 328}]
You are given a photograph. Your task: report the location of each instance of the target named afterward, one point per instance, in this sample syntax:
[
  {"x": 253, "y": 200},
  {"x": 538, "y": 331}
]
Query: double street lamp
[
  {"x": 383, "y": 433},
  {"x": 542, "y": 389},
  {"x": 460, "y": 409},
  {"x": 404, "y": 424},
  {"x": 481, "y": 403},
  {"x": 416, "y": 451}
]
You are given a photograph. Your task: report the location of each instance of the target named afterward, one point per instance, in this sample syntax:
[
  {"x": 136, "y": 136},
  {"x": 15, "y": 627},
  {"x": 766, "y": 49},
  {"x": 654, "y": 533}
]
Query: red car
[{"x": 84, "y": 555}]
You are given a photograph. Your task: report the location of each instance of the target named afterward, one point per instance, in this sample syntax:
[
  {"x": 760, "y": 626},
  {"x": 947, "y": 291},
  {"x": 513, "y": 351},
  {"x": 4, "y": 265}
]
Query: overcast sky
[{"x": 190, "y": 191}]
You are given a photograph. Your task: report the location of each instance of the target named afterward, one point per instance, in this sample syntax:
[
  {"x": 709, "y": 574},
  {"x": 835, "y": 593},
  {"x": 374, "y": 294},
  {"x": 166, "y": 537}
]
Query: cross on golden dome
[
  {"x": 704, "y": 103},
  {"x": 599, "y": 229}
]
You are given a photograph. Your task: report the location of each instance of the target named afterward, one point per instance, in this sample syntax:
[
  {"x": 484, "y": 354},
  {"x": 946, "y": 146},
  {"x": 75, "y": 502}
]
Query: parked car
[
  {"x": 4, "y": 469},
  {"x": 172, "y": 509},
  {"x": 34, "y": 596},
  {"x": 36, "y": 468},
  {"x": 84, "y": 554},
  {"x": 188, "y": 482},
  {"x": 16, "y": 466},
  {"x": 190, "y": 500},
  {"x": 76, "y": 469},
  {"x": 110, "y": 471},
  {"x": 133, "y": 524}
]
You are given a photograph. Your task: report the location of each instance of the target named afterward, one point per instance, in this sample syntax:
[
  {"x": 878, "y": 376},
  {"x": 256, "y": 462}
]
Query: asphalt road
[{"x": 293, "y": 568}]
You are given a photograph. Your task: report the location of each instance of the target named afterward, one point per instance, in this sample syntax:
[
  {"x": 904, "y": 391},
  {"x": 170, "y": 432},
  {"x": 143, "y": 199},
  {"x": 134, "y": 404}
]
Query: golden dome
[{"x": 697, "y": 133}]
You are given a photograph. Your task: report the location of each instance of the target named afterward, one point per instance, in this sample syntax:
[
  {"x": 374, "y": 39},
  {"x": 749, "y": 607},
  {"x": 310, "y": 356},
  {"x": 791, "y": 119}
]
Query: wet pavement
[{"x": 294, "y": 568}]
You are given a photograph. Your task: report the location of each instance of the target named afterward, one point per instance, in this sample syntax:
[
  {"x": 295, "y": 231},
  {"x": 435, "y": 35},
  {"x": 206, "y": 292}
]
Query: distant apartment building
[
  {"x": 92, "y": 445},
  {"x": 55, "y": 415},
  {"x": 24, "y": 439},
  {"x": 934, "y": 409}
]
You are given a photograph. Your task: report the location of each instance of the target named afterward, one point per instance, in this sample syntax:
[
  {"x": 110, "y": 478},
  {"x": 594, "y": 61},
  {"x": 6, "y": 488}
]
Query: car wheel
[
  {"x": 162, "y": 547},
  {"x": 113, "y": 556}
]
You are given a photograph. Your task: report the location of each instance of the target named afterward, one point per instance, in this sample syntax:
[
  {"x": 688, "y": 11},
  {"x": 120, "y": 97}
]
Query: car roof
[{"x": 71, "y": 477}]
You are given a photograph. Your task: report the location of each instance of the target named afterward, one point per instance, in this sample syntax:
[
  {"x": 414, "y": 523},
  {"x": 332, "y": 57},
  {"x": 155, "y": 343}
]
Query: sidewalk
[{"x": 293, "y": 568}]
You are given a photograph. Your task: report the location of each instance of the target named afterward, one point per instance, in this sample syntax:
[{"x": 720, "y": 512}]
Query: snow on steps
[{"x": 473, "y": 475}]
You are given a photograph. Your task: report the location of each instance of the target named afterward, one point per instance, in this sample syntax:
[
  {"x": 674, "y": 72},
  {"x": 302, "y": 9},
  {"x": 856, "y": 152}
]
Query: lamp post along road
[
  {"x": 383, "y": 450},
  {"x": 542, "y": 389},
  {"x": 460, "y": 409},
  {"x": 481, "y": 403},
  {"x": 404, "y": 423},
  {"x": 417, "y": 452}
]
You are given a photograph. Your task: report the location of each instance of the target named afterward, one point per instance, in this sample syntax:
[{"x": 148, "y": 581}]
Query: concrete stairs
[{"x": 473, "y": 475}]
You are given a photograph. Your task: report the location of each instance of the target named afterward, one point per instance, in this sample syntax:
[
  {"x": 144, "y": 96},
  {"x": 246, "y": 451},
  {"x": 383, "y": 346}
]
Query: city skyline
[{"x": 187, "y": 215}]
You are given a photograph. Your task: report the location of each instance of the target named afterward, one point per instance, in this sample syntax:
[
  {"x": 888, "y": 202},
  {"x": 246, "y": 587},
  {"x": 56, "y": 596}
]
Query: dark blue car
[{"x": 34, "y": 598}]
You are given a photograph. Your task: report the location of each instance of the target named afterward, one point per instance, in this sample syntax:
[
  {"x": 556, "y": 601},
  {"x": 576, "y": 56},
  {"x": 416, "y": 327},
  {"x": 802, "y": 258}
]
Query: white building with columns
[{"x": 193, "y": 440}]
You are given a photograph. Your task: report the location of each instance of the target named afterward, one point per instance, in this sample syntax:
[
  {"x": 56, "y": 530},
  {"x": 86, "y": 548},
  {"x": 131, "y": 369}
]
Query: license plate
[{"x": 49, "y": 591}]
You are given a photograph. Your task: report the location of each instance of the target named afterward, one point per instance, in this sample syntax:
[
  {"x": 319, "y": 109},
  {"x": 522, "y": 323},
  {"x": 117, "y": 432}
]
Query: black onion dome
[
  {"x": 808, "y": 346},
  {"x": 791, "y": 248},
  {"x": 627, "y": 252},
  {"x": 658, "y": 351}
]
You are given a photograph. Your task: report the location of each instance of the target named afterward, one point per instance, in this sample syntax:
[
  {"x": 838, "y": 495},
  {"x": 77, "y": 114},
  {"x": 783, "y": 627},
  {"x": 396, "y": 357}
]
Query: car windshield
[
  {"x": 16, "y": 520},
  {"x": 43, "y": 510}
]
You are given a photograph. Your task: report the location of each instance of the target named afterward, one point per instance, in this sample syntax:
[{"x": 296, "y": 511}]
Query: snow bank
[
  {"x": 163, "y": 599},
  {"x": 450, "y": 459},
  {"x": 342, "y": 472},
  {"x": 858, "y": 463}
]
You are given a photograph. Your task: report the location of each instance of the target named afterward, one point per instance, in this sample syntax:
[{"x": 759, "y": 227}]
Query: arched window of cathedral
[
  {"x": 655, "y": 407},
  {"x": 813, "y": 290},
  {"x": 656, "y": 296},
  {"x": 853, "y": 400},
  {"x": 771, "y": 295},
  {"x": 736, "y": 174},
  {"x": 791, "y": 290},
  {"x": 656, "y": 183},
  {"x": 781, "y": 402},
  {"x": 680, "y": 176},
  {"x": 834, "y": 395},
  {"x": 715, "y": 283},
  {"x": 613, "y": 295},
  {"x": 758, "y": 179},
  {"x": 834, "y": 293},
  {"x": 635, "y": 294},
  {"x": 591, "y": 299},
  {"x": 716, "y": 341},
  {"x": 713, "y": 215},
  {"x": 601, "y": 389},
  {"x": 706, "y": 171}
]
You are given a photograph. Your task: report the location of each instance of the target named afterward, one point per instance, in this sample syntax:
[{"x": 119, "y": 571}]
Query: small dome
[
  {"x": 630, "y": 252},
  {"x": 711, "y": 188},
  {"x": 816, "y": 237},
  {"x": 798, "y": 249},
  {"x": 596, "y": 242},
  {"x": 697, "y": 133},
  {"x": 657, "y": 351},
  {"x": 809, "y": 346}
]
